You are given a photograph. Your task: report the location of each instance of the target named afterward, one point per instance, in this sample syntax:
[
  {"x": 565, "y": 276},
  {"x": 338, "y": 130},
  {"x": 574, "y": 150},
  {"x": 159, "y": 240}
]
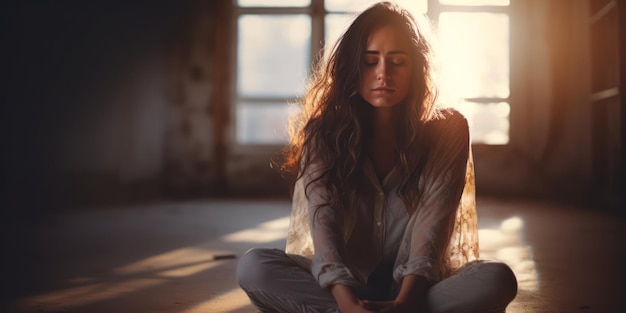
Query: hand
[
  {"x": 358, "y": 306},
  {"x": 387, "y": 307},
  {"x": 347, "y": 301},
  {"x": 412, "y": 290}
]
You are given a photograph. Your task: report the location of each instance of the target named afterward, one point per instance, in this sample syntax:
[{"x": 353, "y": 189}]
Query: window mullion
[
  {"x": 273, "y": 10},
  {"x": 318, "y": 28},
  {"x": 262, "y": 100},
  {"x": 487, "y": 99},
  {"x": 468, "y": 8}
]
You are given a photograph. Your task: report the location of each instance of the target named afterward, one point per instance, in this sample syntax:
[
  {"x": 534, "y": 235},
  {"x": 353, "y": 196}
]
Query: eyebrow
[{"x": 390, "y": 52}]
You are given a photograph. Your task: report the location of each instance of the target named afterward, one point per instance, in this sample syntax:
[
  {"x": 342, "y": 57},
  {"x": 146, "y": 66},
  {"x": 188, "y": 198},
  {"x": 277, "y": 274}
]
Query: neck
[
  {"x": 385, "y": 125},
  {"x": 383, "y": 145}
]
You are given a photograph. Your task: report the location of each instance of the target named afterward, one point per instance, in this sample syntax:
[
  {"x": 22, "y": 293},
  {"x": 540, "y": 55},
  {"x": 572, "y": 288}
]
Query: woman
[{"x": 383, "y": 216}]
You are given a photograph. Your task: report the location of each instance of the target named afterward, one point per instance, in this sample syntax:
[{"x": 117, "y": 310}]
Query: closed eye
[
  {"x": 370, "y": 60},
  {"x": 398, "y": 60}
]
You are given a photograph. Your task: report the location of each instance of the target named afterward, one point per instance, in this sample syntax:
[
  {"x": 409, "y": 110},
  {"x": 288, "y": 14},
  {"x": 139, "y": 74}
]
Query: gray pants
[{"x": 275, "y": 283}]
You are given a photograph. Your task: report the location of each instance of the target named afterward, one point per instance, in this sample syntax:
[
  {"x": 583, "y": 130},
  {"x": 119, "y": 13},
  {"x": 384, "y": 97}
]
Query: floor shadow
[{"x": 158, "y": 258}]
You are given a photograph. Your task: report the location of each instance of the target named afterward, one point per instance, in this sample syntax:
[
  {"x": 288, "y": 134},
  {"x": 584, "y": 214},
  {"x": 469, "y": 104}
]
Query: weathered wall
[
  {"x": 197, "y": 111},
  {"x": 550, "y": 150},
  {"x": 110, "y": 103}
]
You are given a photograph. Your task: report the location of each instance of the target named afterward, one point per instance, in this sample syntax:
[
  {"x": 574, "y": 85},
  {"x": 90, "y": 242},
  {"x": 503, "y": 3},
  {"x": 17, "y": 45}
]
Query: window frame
[{"x": 317, "y": 12}]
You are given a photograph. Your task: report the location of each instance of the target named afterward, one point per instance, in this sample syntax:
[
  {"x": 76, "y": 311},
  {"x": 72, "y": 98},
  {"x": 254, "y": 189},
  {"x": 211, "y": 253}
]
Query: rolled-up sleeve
[
  {"x": 430, "y": 226},
  {"x": 327, "y": 265}
]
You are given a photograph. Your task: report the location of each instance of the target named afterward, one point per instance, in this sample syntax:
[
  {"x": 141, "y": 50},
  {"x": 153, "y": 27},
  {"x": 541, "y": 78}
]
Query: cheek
[{"x": 405, "y": 80}]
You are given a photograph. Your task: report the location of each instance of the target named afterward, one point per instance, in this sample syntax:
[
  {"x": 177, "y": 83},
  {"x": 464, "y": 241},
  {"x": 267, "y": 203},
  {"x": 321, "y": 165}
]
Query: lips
[{"x": 384, "y": 89}]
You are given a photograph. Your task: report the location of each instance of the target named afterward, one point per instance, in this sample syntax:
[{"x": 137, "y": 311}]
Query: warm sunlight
[
  {"x": 505, "y": 244},
  {"x": 474, "y": 51},
  {"x": 226, "y": 302},
  {"x": 140, "y": 275},
  {"x": 165, "y": 261},
  {"x": 264, "y": 233},
  {"x": 72, "y": 297}
]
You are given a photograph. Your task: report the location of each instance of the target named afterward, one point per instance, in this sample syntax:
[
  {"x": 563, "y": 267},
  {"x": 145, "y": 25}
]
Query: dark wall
[
  {"x": 77, "y": 78},
  {"x": 84, "y": 87}
]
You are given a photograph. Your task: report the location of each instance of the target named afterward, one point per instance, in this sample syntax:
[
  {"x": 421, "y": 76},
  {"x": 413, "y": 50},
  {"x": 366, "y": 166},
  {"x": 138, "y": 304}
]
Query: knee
[
  {"x": 503, "y": 279},
  {"x": 251, "y": 267}
]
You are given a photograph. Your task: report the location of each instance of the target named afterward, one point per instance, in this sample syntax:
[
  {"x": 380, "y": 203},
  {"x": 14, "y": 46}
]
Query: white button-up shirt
[{"x": 431, "y": 240}]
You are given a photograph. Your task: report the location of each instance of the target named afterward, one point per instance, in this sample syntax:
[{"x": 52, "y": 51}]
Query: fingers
[{"x": 378, "y": 306}]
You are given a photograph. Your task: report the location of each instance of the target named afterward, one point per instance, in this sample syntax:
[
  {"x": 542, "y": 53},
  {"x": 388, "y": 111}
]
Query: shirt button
[{"x": 378, "y": 223}]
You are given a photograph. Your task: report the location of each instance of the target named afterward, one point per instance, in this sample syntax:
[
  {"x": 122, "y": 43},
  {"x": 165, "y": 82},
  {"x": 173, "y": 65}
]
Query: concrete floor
[{"x": 174, "y": 257}]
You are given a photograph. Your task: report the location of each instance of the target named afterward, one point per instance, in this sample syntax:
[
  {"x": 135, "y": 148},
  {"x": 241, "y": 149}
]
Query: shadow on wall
[{"x": 85, "y": 110}]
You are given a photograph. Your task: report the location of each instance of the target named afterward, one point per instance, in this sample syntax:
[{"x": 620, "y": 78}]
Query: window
[
  {"x": 273, "y": 57},
  {"x": 278, "y": 39},
  {"x": 474, "y": 44}
]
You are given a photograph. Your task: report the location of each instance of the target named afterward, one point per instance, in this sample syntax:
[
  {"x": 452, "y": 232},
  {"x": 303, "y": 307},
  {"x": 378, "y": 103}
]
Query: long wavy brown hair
[{"x": 334, "y": 124}]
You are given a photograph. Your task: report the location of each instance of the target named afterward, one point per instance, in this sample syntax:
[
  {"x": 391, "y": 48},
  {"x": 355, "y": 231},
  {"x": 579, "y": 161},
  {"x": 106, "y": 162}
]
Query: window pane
[
  {"x": 414, "y": 6},
  {"x": 263, "y": 123},
  {"x": 273, "y": 55},
  {"x": 336, "y": 25},
  {"x": 475, "y": 2},
  {"x": 475, "y": 54},
  {"x": 488, "y": 122},
  {"x": 273, "y": 3}
]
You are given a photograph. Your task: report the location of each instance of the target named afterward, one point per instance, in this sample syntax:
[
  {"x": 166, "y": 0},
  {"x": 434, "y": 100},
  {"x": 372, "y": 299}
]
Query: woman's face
[{"x": 386, "y": 77}]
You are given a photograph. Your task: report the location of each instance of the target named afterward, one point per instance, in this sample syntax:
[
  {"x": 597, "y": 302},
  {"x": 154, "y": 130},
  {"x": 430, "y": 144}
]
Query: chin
[
  {"x": 384, "y": 105},
  {"x": 383, "y": 102}
]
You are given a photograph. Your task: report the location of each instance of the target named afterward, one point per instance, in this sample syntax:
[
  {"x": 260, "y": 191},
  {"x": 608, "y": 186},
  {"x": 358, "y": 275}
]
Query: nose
[{"x": 382, "y": 71}]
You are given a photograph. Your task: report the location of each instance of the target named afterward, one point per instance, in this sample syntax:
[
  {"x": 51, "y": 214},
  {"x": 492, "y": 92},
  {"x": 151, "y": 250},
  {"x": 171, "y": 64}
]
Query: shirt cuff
[
  {"x": 332, "y": 273},
  {"x": 423, "y": 266}
]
